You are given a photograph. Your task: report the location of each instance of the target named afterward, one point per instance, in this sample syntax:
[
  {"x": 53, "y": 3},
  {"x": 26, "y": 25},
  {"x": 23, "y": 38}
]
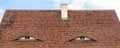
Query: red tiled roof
[{"x": 47, "y": 25}]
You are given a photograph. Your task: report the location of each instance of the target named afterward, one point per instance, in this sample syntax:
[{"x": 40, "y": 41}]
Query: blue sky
[{"x": 55, "y": 4}]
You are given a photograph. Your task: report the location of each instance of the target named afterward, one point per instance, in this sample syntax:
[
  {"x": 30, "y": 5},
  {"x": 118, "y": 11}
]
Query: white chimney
[{"x": 64, "y": 12}]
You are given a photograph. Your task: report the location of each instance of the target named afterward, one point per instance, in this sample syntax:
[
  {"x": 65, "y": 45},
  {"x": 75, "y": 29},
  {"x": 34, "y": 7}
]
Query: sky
[{"x": 55, "y": 4}]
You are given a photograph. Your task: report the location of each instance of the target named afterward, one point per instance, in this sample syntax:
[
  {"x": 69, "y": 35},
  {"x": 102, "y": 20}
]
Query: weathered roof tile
[{"x": 47, "y": 25}]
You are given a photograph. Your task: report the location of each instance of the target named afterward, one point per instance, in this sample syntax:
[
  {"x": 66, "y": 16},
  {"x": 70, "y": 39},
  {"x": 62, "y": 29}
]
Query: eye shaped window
[
  {"x": 27, "y": 38},
  {"x": 82, "y": 38}
]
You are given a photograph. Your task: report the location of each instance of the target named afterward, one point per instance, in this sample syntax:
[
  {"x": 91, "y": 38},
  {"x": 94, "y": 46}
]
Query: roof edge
[{"x": 59, "y": 9}]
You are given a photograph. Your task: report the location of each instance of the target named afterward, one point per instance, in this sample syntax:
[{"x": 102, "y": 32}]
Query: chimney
[{"x": 64, "y": 12}]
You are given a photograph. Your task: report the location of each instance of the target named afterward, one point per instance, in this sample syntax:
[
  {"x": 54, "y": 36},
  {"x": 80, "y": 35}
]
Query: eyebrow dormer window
[
  {"x": 82, "y": 38},
  {"x": 27, "y": 38}
]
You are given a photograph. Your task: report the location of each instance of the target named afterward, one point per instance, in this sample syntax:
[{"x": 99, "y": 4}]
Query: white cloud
[
  {"x": 107, "y": 4},
  {"x": 58, "y": 2},
  {"x": 0, "y": 10},
  {"x": 76, "y": 4},
  {"x": 104, "y": 4},
  {"x": 61, "y": 1}
]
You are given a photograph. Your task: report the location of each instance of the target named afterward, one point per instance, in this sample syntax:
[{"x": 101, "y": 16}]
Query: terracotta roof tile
[{"x": 47, "y": 25}]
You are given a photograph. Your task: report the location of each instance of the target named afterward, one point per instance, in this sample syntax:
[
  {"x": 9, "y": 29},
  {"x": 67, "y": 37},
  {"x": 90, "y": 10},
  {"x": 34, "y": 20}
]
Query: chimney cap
[{"x": 64, "y": 4}]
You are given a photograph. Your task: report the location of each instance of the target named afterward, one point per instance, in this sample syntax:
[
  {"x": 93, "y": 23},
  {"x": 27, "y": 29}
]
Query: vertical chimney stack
[{"x": 64, "y": 12}]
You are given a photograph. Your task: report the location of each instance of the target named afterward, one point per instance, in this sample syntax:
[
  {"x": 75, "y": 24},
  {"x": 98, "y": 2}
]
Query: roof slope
[
  {"x": 81, "y": 16},
  {"x": 51, "y": 15},
  {"x": 86, "y": 18},
  {"x": 102, "y": 25}
]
